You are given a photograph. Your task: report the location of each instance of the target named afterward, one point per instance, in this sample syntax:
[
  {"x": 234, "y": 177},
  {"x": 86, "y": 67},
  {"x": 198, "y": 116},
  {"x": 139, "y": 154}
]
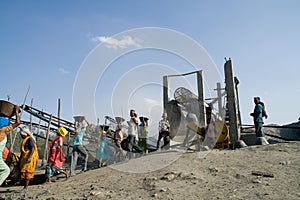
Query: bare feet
[
  {"x": 66, "y": 173},
  {"x": 49, "y": 180}
]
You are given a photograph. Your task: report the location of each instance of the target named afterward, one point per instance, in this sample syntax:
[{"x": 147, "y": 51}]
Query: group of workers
[
  {"x": 29, "y": 151},
  {"x": 28, "y": 157},
  {"x": 136, "y": 140},
  {"x": 28, "y": 148},
  {"x": 142, "y": 132},
  {"x": 22, "y": 166}
]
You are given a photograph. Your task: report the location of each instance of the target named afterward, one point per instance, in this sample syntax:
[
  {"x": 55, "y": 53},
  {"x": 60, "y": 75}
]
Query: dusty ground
[{"x": 220, "y": 174}]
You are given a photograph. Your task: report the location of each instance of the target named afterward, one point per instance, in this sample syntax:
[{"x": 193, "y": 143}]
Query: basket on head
[
  {"x": 79, "y": 118},
  {"x": 104, "y": 127},
  {"x": 144, "y": 119},
  {"x": 7, "y": 109}
]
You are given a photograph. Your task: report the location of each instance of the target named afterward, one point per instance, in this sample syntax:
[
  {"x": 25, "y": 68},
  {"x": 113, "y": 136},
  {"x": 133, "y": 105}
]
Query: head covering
[
  {"x": 4, "y": 122},
  {"x": 62, "y": 131},
  {"x": 26, "y": 132}
]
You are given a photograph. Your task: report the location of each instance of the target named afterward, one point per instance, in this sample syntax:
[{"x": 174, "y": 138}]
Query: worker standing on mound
[
  {"x": 258, "y": 114},
  {"x": 258, "y": 117}
]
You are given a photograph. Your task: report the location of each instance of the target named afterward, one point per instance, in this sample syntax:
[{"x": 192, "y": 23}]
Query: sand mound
[{"x": 254, "y": 172}]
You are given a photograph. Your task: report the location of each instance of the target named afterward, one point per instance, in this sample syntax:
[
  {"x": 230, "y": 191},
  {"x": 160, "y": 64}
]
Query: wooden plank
[{"x": 264, "y": 174}]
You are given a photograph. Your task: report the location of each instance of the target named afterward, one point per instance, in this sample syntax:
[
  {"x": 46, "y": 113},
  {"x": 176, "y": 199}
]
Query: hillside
[{"x": 217, "y": 174}]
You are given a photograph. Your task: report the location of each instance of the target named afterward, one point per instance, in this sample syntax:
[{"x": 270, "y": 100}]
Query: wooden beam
[
  {"x": 166, "y": 92},
  {"x": 58, "y": 112},
  {"x": 185, "y": 74},
  {"x": 234, "y": 129},
  {"x": 202, "y": 115},
  {"x": 31, "y": 104}
]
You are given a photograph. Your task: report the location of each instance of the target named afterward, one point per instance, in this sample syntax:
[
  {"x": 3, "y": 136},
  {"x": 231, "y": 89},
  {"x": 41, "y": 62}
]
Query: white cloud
[
  {"x": 63, "y": 71},
  {"x": 113, "y": 43}
]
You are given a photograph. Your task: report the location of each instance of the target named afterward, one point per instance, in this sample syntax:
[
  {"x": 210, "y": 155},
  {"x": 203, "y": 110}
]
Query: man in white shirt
[{"x": 164, "y": 132}]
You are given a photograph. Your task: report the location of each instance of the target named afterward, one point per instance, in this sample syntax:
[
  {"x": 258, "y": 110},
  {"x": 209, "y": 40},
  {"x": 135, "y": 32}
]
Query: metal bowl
[{"x": 79, "y": 118}]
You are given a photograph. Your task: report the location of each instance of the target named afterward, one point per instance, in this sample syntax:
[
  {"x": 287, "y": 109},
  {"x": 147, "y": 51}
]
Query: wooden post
[
  {"x": 68, "y": 148},
  {"x": 234, "y": 130},
  {"x": 46, "y": 141},
  {"x": 58, "y": 112},
  {"x": 166, "y": 92},
  {"x": 202, "y": 115},
  {"x": 202, "y": 112},
  {"x": 10, "y": 133},
  {"x": 13, "y": 142},
  {"x": 236, "y": 81},
  {"x": 31, "y": 104},
  {"x": 219, "y": 97},
  {"x": 39, "y": 128}
]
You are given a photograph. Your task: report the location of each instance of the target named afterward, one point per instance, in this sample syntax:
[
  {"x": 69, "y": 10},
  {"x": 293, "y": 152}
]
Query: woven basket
[{"x": 7, "y": 109}]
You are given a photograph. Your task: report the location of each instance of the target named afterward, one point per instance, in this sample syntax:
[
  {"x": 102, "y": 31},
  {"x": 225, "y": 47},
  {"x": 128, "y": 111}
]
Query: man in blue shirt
[
  {"x": 78, "y": 148},
  {"x": 258, "y": 117}
]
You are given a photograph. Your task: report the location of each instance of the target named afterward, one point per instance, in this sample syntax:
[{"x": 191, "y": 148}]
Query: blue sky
[{"x": 44, "y": 44}]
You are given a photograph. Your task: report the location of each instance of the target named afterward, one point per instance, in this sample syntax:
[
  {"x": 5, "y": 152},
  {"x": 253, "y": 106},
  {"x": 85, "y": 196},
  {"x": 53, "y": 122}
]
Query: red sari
[{"x": 54, "y": 154}]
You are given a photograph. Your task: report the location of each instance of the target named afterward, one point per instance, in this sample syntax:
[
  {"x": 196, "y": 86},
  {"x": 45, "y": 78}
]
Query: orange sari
[{"x": 27, "y": 168}]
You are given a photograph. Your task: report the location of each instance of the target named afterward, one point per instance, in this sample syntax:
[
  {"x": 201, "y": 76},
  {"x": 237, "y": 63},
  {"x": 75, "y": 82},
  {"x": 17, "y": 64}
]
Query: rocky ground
[{"x": 254, "y": 172}]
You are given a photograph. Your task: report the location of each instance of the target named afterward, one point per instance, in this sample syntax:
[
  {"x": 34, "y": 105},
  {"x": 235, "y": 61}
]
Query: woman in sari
[
  {"x": 143, "y": 132},
  {"x": 5, "y": 127},
  {"x": 56, "y": 157},
  {"x": 102, "y": 152},
  {"x": 29, "y": 157}
]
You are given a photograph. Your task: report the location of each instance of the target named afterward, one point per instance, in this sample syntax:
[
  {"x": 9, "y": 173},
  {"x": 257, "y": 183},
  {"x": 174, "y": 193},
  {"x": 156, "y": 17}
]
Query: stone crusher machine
[{"x": 183, "y": 114}]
